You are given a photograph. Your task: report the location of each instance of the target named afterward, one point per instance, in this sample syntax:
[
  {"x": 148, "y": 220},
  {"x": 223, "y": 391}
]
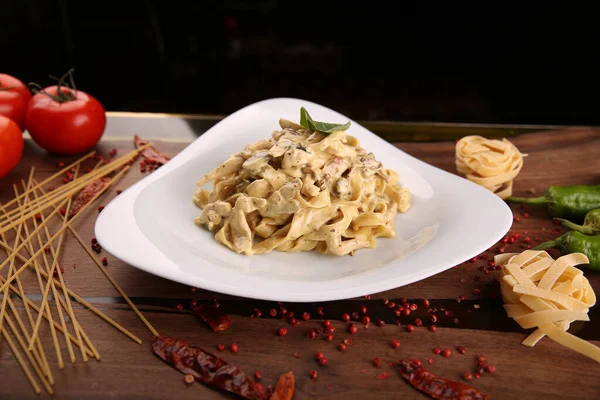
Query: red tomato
[
  {"x": 11, "y": 145},
  {"x": 14, "y": 96},
  {"x": 69, "y": 125}
]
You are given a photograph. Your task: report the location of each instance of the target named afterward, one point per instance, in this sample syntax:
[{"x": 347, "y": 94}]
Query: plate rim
[{"x": 128, "y": 198}]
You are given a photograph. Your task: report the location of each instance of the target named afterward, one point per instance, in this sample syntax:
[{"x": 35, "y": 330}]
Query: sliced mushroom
[
  {"x": 213, "y": 215},
  {"x": 256, "y": 164}
]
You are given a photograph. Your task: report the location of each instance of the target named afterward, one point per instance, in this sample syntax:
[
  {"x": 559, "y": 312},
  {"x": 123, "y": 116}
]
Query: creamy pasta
[{"x": 301, "y": 190}]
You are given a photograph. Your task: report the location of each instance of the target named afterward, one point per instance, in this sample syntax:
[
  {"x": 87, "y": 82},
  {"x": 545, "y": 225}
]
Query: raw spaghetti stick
[
  {"x": 60, "y": 231},
  {"x": 22, "y": 245},
  {"x": 29, "y": 355},
  {"x": 35, "y": 307},
  {"x": 64, "y": 191},
  {"x": 40, "y": 356},
  {"x": 77, "y": 298},
  {"x": 73, "y": 186},
  {"x": 27, "y": 187},
  {"x": 38, "y": 352},
  {"x": 37, "y": 268},
  {"x": 493, "y": 164},
  {"x": 12, "y": 266},
  {"x": 59, "y": 173},
  {"x": 68, "y": 300},
  {"x": 113, "y": 282},
  {"x": 22, "y": 363}
]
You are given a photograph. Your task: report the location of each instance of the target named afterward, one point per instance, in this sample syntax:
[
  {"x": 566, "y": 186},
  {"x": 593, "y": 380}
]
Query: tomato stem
[{"x": 62, "y": 96}]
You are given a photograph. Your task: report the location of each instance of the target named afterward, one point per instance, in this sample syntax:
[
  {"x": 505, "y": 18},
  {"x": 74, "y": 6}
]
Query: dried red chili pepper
[
  {"x": 151, "y": 153},
  {"x": 437, "y": 387},
  {"x": 284, "y": 390},
  {"x": 86, "y": 194},
  {"x": 214, "y": 316},
  {"x": 205, "y": 367}
]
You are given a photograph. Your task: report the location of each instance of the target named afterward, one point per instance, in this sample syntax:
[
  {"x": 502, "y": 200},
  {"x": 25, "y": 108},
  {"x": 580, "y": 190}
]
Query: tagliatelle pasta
[
  {"x": 301, "y": 191},
  {"x": 490, "y": 163},
  {"x": 547, "y": 294}
]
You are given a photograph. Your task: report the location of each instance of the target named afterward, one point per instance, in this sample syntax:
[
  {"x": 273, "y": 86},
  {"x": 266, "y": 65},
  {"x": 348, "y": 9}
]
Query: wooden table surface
[{"x": 479, "y": 324}]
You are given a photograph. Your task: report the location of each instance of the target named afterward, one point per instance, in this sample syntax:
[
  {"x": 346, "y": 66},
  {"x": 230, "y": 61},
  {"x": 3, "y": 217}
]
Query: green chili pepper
[
  {"x": 570, "y": 202},
  {"x": 591, "y": 223},
  {"x": 576, "y": 242}
]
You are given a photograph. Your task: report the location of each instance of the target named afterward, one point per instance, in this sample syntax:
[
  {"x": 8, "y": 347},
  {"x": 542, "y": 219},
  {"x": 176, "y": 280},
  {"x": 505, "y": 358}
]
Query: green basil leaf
[{"x": 324, "y": 127}]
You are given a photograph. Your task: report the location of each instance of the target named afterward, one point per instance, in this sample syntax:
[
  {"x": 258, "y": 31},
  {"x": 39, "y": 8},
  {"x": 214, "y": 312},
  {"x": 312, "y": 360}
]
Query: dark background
[{"x": 368, "y": 59}]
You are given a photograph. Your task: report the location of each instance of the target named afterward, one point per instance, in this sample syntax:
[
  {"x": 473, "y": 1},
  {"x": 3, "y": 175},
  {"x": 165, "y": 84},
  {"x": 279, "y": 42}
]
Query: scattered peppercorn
[
  {"x": 432, "y": 328},
  {"x": 437, "y": 351},
  {"x": 352, "y": 328},
  {"x": 326, "y": 323},
  {"x": 305, "y": 316},
  {"x": 188, "y": 379},
  {"x": 282, "y": 332},
  {"x": 322, "y": 361},
  {"x": 220, "y": 347},
  {"x": 376, "y": 362},
  {"x": 395, "y": 343},
  {"x": 363, "y": 309},
  {"x": 366, "y": 320},
  {"x": 329, "y": 337},
  {"x": 105, "y": 261},
  {"x": 461, "y": 350},
  {"x": 320, "y": 311},
  {"x": 345, "y": 317},
  {"x": 311, "y": 334},
  {"x": 380, "y": 322},
  {"x": 342, "y": 347},
  {"x": 467, "y": 376},
  {"x": 426, "y": 303},
  {"x": 410, "y": 328},
  {"x": 234, "y": 348},
  {"x": 313, "y": 374},
  {"x": 273, "y": 312},
  {"x": 490, "y": 368},
  {"x": 418, "y": 322},
  {"x": 257, "y": 375},
  {"x": 446, "y": 353}
]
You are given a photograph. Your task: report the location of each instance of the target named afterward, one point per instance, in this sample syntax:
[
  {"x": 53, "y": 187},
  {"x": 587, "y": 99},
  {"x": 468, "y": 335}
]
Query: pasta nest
[
  {"x": 490, "y": 163},
  {"x": 546, "y": 294}
]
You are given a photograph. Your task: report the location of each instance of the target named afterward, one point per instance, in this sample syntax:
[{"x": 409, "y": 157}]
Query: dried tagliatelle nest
[
  {"x": 490, "y": 163},
  {"x": 547, "y": 294}
]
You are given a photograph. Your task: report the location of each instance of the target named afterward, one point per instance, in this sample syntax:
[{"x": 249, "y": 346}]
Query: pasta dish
[{"x": 309, "y": 187}]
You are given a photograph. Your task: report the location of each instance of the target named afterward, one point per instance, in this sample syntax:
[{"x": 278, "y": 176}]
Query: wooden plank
[{"x": 128, "y": 370}]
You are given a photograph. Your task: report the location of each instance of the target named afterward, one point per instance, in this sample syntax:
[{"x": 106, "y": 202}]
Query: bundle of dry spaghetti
[
  {"x": 547, "y": 294},
  {"x": 490, "y": 163},
  {"x": 26, "y": 223}
]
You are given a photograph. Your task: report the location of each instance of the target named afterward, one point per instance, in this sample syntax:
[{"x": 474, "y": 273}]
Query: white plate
[{"x": 150, "y": 225}]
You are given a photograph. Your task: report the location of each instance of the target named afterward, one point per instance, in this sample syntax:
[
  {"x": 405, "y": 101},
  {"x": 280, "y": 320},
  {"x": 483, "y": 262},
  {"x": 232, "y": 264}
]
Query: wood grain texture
[{"x": 131, "y": 371}]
